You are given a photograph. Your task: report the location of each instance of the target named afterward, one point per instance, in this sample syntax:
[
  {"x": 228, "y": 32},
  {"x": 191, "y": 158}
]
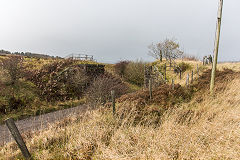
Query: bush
[
  {"x": 15, "y": 92},
  {"x": 189, "y": 57},
  {"x": 184, "y": 66},
  {"x": 120, "y": 67},
  {"x": 60, "y": 80},
  {"x": 13, "y": 66},
  {"x": 100, "y": 90},
  {"x": 20, "y": 95},
  {"x": 134, "y": 73},
  {"x": 3, "y": 105}
]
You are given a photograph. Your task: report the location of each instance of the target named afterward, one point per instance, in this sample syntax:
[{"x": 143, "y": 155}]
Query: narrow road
[{"x": 38, "y": 122}]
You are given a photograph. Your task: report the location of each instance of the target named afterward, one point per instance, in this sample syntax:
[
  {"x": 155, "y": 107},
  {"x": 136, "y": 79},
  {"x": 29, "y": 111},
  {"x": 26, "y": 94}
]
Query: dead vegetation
[
  {"x": 222, "y": 79},
  {"x": 33, "y": 86},
  {"x": 172, "y": 125},
  {"x": 98, "y": 93}
]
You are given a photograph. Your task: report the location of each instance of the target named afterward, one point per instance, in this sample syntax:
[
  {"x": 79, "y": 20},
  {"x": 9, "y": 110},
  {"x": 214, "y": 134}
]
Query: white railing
[{"x": 83, "y": 57}]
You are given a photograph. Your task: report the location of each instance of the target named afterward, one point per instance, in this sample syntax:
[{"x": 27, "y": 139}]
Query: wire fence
[
  {"x": 157, "y": 77},
  {"x": 37, "y": 123}
]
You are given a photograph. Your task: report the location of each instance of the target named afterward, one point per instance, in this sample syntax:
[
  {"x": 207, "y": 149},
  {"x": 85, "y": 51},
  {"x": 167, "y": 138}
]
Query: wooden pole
[
  {"x": 192, "y": 77},
  {"x": 18, "y": 138},
  {"x": 160, "y": 55},
  {"x": 180, "y": 75},
  {"x": 145, "y": 77},
  {"x": 113, "y": 102},
  {"x": 173, "y": 84},
  {"x": 197, "y": 71},
  {"x": 214, "y": 66},
  {"x": 150, "y": 88},
  {"x": 187, "y": 81},
  {"x": 170, "y": 64},
  {"x": 165, "y": 71}
]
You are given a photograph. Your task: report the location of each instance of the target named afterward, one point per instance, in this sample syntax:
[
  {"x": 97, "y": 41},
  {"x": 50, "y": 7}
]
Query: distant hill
[{"x": 27, "y": 54}]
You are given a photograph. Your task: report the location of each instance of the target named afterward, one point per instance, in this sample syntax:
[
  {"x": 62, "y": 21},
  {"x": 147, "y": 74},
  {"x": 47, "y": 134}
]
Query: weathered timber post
[
  {"x": 216, "y": 47},
  {"x": 197, "y": 71},
  {"x": 18, "y": 138},
  {"x": 170, "y": 63},
  {"x": 180, "y": 75},
  {"x": 161, "y": 55},
  {"x": 113, "y": 102},
  {"x": 150, "y": 88},
  {"x": 147, "y": 75},
  {"x": 173, "y": 84},
  {"x": 192, "y": 77},
  {"x": 165, "y": 71},
  {"x": 187, "y": 81}
]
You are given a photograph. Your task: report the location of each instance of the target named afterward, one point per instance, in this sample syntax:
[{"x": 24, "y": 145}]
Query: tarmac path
[{"x": 38, "y": 123}]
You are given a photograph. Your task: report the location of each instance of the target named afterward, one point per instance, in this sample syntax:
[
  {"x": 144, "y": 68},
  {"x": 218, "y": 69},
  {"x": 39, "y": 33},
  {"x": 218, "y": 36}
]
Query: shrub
[
  {"x": 134, "y": 73},
  {"x": 60, "y": 80},
  {"x": 184, "y": 66},
  {"x": 189, "y": 57},
  {"x": 13, "y": 66},
  {"x": 100, "y": 90},
  {"x": 21, "y": 94},
  {"x": 120, "y": 67},
  {"x": 75, "y": 81},
  {"x": 3, "y": 105},
  {"x": 15, "y": 92}
]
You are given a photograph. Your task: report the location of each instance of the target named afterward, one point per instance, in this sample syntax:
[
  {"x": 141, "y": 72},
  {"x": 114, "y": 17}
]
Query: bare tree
[
  {"x": 155, "y": 50},
  {"x": 168, "y": 49}
]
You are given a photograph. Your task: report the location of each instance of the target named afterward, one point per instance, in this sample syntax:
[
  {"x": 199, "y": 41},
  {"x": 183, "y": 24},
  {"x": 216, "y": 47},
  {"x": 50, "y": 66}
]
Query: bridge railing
[{"x": 80, "y": 57}]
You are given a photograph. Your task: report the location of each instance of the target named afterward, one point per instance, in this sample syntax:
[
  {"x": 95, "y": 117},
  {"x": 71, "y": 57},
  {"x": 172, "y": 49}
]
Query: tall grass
[{"x": 206, "y": 129}]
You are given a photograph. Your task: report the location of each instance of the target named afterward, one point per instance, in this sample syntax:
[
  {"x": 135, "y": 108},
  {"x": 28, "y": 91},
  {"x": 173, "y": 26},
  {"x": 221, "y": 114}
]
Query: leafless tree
[
  {"x": 168, "y": 49},
  {"x": 155, "y": 51}
]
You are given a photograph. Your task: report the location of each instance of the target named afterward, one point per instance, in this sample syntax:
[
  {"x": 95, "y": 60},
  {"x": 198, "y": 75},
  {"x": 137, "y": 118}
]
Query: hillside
[
  {"x": 185, "y": 123},
  {"x": 33, "y": 86},
  {"x": 27, "y": 54}
]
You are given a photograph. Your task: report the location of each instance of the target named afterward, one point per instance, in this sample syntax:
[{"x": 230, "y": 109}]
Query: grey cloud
[{"x": 117, "y": 29}]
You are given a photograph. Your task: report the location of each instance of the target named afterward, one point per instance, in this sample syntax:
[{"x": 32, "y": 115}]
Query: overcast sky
[{"x": 113, "y": 30}]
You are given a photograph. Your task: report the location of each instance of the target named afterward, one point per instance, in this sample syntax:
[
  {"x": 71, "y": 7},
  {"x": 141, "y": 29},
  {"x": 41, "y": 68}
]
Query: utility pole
[{"x": 216, "y": 47}]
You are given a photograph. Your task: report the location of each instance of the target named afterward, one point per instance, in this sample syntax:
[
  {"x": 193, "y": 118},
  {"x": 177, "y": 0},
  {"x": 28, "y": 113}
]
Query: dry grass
[
  {"x": 206, "y": 129},
  {"x": 193, "y": 67},
  {"x": 221, "y": 66},
  {"x": 233, "y": 66}
]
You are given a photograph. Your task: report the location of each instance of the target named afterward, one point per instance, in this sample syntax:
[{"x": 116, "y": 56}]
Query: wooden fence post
[
  {"x": 187, "y": 81},
  {"x": 197, "y": 71},
  {"x": 170, "y": 63},
  {"x": 173, "y": 84},
  {"x": 165, "y": 71},
  {"x": 113, "y": 102},
  {"x": 180, "y": 75},
  {"x": 192, "y": 77},
  {"x": 150, "y": 88},
  {"x": 145, "y": 77},
  {"x": 18, "y": 138}
]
